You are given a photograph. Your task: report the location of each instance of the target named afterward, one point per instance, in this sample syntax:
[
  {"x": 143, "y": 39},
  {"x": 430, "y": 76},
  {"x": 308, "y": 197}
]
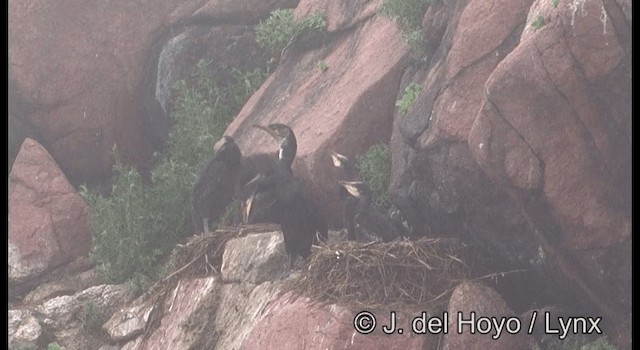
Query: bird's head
[
  {"x": 278, "y": 131},
  {"x": 339, "y": 160},
  {"x": 286, "y": 140},
  {"x": 357, "y": 189}
]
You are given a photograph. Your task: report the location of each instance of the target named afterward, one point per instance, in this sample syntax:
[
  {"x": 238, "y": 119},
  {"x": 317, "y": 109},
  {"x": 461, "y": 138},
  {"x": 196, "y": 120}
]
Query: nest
[{"x": 379, "y": 275}]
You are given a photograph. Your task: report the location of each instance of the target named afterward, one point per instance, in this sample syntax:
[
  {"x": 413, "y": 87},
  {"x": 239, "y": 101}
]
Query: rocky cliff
[{"x": 518, "y": 142}]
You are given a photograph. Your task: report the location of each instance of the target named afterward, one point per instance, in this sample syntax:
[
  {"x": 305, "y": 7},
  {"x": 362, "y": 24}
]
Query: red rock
[
  {"x": 79, "y": 69},
  {"x": 483, "y": 302},
  {"x": 299, "y": 324},
  {"x": 48, "y": 223}
]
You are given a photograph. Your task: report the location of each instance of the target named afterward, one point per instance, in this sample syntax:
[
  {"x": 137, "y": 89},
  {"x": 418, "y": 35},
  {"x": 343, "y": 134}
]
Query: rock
[
  {"x": 67, "y": 285},
  {"x": 128, "y": 323},
  {"x": 241, "y": 307},
  {"x": 339, "y": 14},
  {"x": 483, "y": 301},
  {"x": 300, "y": 324},
  {"x": 223, "y": 47},
  {"x": 47, "y": 219},
  {"x": 540, "y": 108},
  {"x": 545, "y": 116},
  {"x": 346, "y": 108},
  {"x": 242, "y": 12},
  {"x": 198, "y": 314},
  {"x": 254, "y": 258},
  {"x": 79, "y": 75},
  {"x": 60, "y": 313},
  {"x": 24, "y": 329}
]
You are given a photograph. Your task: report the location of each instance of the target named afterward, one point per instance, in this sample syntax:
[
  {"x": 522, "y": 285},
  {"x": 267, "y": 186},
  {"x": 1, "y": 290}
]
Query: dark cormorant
[
  {"x": 349, "y": 202},
  {"x": 368, "y": 223},
  {"x": 350, "y": 173},
  {"x": 286, "y": 198},
  {"x": 215, "y": 186}
]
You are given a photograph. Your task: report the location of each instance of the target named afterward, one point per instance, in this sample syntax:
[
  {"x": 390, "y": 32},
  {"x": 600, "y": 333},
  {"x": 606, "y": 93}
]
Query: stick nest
[{"x": 379, "y": 275}]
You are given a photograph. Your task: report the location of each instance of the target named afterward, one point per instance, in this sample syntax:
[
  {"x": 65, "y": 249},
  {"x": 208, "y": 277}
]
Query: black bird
[
  {"x": 349, "y": 202},
  {"x": 350, "y": 173},
  {"x": 369, "y": 224},
  {"x": 287, "y": 199},
  {"x": 215, "y": 187}
]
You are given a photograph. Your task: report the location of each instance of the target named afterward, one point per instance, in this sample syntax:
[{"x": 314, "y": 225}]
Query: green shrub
[
  {"x": 538, "y": 22},
  {"x": 374, "y": 167},
  {"x": 322, "y": 66},
  {"x": 408, "y": 16},
  {"x": 409, "y": 96},
  {"x": 54, "y": 346},
  {"x": 92, "y": 317},
  {"x": 280, "y": 30},
  {"x": 138, "y": 224}
]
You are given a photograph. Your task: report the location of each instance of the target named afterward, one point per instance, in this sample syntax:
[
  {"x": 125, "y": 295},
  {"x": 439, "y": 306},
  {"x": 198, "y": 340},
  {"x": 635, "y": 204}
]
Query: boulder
[
  {"x": 24, "y": 329},
  {"x": 254, "y": 258},
  {"x": 48, "y": 221},
  {"x": 301, "y": 324},
  {"x": 474, "y": 301}
]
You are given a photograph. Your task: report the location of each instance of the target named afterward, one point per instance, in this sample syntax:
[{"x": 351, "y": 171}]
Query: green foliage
[
  {"x": 408, "y": 16},
  {"x": 92, "y": 317},
  {"x": 139, "y": 223},
  {"x": 280, "y": 30},
  {"x": 409, "y": 96},
  {"x": 538, "y": 22},
  {"x": 54, "y": 346},
  {"x": 374, "y": 167},
  {"x": 25, "y": 347},
  {"x": 322, "y": 66},
  {"x": 555, "y": 3}
]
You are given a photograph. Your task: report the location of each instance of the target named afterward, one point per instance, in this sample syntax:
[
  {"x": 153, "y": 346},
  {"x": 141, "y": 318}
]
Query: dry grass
[{"x": 378, "y": 275}]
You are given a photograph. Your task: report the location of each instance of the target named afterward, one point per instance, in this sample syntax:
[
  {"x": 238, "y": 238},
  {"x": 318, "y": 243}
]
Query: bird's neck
[{"x": 287, "y": 152}]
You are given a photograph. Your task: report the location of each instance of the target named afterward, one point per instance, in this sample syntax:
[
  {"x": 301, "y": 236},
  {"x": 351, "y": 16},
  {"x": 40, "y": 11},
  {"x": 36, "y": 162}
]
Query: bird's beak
[
  {"x": 338, "y": 159},
  {"x": 351, "y": 188},
  {"x": 269, "y": 131}
]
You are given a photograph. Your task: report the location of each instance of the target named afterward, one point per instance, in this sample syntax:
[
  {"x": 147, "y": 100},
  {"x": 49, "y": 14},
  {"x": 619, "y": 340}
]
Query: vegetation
[
  {"x": 409, "y": 96},
  {"x": 538, "y": 22},
  {"x": 374, "y": 167},
  {"x": 54, "y": 346},
  {"x": 408, "y": 16},
  {"x": 322, "y": 66},
  {"x": 136, "y": 227},
  {"x": 555, "y": 3},
  {"x": 280, "y": 30},
  {"x": 92, "y": 317}
]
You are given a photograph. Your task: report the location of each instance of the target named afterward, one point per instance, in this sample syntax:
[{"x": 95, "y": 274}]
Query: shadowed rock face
[
  {"x": 83, "y": 76},
  {"x": 520, "y": 140}
]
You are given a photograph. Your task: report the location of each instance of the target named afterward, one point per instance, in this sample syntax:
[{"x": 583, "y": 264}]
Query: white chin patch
[{"x": 280, "y": 154}]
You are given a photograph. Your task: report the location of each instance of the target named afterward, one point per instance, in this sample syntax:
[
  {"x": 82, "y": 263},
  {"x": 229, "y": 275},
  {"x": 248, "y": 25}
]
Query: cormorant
[
  {"x": 369, "y": 224},
  {"x": 349, "y": 202},
  {"x": 287, "y": 200},
  {"x": 215, "y": 186},
  {"x": 350, "y": 173}
]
